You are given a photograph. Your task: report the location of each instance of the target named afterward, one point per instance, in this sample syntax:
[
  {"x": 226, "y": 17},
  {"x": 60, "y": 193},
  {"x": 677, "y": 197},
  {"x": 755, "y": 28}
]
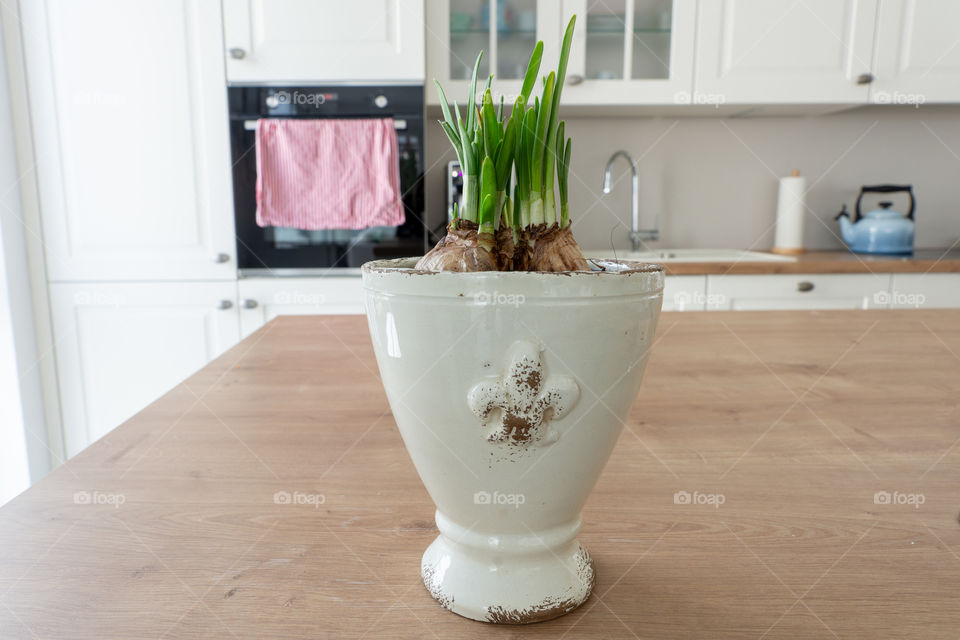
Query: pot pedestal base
[{"x": 511, "y": 579}]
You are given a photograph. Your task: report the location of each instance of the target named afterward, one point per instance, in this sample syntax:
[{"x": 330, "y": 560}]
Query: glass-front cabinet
[
  {"x": 631, "y": 52},
  {"x": 506, "y": 31},
  {"x": 626, "y": 52}
]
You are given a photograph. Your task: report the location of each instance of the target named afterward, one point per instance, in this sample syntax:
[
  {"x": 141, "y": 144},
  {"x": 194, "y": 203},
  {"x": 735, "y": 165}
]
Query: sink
[{"x": 690, "y": 255}]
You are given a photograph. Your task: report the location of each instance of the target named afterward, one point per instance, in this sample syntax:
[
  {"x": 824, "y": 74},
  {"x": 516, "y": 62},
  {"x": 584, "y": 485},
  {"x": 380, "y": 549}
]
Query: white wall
[
  {"x": 714, "y": 180},
  {"x": 21, "y": 408}
]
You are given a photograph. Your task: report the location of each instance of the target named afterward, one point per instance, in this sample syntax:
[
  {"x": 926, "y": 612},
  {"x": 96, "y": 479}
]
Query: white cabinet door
[
  {"x": 775, "y": 51},
  {"x": 121, "y": 346},
  {"x": 798, "y": 291},
  {"x": 925, "y": 291},
  {"x": 506, "y": 31},
  {"x": 262, "y": 299},
  {"x": 917, "y": 57},
  {"x": 310, "y": 41},
  {"x": 130, "y": 127},
  {"x": 684, "y": 293},
  {"x": 631, "y": 52}
]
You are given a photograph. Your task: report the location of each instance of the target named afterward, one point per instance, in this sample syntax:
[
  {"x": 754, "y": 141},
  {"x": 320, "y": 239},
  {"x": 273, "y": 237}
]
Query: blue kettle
[{"x": 882, "y": 230}]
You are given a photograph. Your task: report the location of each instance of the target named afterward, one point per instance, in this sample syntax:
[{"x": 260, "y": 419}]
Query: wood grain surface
[{"x": 781, "y": 426}]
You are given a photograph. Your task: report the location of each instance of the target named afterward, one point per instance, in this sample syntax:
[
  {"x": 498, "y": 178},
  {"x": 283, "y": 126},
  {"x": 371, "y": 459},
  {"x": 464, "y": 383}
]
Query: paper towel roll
[{"x": 790, "y": 214}]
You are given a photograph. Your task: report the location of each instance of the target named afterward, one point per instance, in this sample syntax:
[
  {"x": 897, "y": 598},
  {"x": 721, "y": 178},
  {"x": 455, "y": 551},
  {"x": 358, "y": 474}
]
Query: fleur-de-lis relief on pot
[{"x": 517, "y": 407}]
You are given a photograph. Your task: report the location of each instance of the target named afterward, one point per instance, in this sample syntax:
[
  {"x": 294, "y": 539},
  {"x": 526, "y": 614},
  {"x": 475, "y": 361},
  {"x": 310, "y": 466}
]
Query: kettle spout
[{"x": 846, "y": 226}]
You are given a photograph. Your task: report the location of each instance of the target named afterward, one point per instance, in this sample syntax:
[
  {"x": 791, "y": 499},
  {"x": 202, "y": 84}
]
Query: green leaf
[
  {"x": 516, "y": 206},
  {"x": 486, "y": 214},
  {"x": 564, "y": 172},
  {"x": 469, "y": 163},
  {"x": 518, "y": 110},
  {"x": 488, "y": 179},
  {"x": 560, "y": 139},
  {"x": 472, "y": 98},
  {"x": 460, "y": 123},
  {"x": 491, "y": 126},
  {"x": 454, "y": 141},
  {"x": 504, "y": 158},
  {"x": 551, "y": 132},
  {"x": 529, "y": 137},
  {"x": 533, "y": 68},
  {"x": 541, "y": 150},
  {"x": 558, "y": 153},
  {"x": 564, "y": 58},
  {"x": 447, "y": 116},
  {"x": 496, "y": 151}
]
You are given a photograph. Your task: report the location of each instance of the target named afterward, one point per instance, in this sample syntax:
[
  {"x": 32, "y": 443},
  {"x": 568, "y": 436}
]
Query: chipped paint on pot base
[
  {"x": 517, "y": 588},
  {"x": 493, "y": 379}
]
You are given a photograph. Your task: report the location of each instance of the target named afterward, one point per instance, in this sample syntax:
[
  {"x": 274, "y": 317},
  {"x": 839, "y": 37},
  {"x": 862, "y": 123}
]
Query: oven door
[{"x": 278, "y": 250}]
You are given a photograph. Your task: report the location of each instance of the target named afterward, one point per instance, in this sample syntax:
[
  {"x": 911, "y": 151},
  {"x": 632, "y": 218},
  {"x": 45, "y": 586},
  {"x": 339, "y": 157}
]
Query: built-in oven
[{"x": 274, "y": 250}]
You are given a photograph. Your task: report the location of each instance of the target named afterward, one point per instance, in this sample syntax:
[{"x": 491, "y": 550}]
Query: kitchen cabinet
[
  {"x": 121, "y": 346},
  {"x": 763, "y": 52},
  {"x": 797, "y": 291},
  {"x": 705, "y": 52},
  {"x": 506, "y": 31},
  {"x": 917, "y": 57},
  {"x": 304, "y": 41},
  {"x": 631, "y": 52},
  {"x": 684, "y": 293},
  {"x": 129, "y": 121},
  {"x": 623, "y": 53},
  {"x": 925, "y": 291},
  {"x": 262, "y": 299}
]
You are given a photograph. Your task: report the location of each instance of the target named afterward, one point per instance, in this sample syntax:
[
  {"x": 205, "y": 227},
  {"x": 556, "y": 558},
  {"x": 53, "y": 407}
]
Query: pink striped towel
[{"x": 328, "y": 174}]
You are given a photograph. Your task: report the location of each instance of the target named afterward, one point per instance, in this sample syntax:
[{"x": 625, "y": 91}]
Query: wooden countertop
[
  {"x": 168, "y": 526},
  {"x": 922, "y": 261}
]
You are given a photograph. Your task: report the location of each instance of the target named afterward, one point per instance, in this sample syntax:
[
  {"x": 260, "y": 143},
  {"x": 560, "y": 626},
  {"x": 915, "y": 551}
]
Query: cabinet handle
[
  {"x": 804, "y": 287},
  {"x": 224, "y": 305},
  {"x": 249, "y": 303},
  {"x": 237, "y": 53},
  {"x": 220, "y": 258},
  {"x": 574, "y": 79},
  {"x": 865, "y": 78}
]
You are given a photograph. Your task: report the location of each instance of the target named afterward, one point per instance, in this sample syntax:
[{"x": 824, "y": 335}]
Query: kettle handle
[{"x": 886, "y": 188}]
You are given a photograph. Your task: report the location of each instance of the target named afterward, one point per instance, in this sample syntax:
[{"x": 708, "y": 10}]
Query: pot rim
[{"x": 602, "y": 267}]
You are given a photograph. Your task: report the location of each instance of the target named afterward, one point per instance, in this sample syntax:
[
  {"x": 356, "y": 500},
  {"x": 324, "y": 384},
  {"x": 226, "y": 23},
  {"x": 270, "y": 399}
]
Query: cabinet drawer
[
  {"x": 798, "y": 291},
  {"x": 119, "y": 347},
  {"x": 684, "y": 293},
  {"x": 925, "y": 291},
  {"x": 262, "y": 299}
]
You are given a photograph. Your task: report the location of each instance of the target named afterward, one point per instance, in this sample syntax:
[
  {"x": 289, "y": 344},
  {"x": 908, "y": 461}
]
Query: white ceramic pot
[{"x": 510, "y": 391}]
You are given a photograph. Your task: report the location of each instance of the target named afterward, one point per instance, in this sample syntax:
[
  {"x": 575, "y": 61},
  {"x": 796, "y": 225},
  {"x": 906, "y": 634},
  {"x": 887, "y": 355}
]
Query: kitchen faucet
[{"x": 637, "y": 235}]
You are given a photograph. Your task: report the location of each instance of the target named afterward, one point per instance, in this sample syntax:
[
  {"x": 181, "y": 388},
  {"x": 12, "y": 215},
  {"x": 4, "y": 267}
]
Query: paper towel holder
[{"x": 788, "y": 238}]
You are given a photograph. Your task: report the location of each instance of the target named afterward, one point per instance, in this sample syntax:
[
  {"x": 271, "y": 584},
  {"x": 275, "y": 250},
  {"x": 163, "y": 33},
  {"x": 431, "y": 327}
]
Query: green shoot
[{"x": 525, "y": 155}]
